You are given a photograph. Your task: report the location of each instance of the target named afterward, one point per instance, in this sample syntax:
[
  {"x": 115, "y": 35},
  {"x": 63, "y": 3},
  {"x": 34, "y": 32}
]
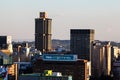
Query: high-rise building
[
  {"x": 80, "y": 42},
  {"x": 97, "y": 67},
  {"x": 101, "y": 59},
  {"x": 43, "y": 33}
]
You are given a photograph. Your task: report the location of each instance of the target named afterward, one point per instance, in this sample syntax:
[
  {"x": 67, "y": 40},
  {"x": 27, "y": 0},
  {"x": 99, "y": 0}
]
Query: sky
[{"x": 17, "y": 17}]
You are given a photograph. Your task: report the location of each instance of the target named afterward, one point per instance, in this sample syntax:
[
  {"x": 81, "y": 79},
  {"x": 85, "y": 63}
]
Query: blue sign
[{"x": 59, "y": 57}]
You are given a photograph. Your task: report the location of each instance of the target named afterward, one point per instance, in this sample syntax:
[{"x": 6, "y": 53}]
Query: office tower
[
  {"x": 97, "y": 67},
  {"x": 43, "y": 33},
  {"x": 80, "y": 42},
  {"x": 101, "y": 60}
]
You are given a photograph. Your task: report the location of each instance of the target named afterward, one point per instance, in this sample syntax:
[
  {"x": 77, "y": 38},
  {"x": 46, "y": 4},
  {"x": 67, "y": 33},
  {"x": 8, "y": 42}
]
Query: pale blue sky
[{"x": 17, "y": 17}]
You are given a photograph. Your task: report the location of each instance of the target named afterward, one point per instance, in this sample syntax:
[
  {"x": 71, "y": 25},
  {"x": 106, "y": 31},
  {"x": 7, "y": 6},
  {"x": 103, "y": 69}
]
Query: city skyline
[{"x": 17, "y": 18}]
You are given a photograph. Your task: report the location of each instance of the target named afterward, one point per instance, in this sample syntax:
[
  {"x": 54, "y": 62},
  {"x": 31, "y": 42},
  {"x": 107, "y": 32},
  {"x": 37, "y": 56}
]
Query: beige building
[
  {"x": 107, "y": 59},
  {"x": 115, "y": 51}
]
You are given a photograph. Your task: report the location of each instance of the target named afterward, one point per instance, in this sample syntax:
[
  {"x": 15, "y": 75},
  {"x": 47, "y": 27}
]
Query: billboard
[{"x": 59, "y": 57}]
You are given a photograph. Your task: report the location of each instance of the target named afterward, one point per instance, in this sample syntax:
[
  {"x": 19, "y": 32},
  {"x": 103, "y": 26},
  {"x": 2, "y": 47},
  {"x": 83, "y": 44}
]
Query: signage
[{"x": 59, "y": 57}]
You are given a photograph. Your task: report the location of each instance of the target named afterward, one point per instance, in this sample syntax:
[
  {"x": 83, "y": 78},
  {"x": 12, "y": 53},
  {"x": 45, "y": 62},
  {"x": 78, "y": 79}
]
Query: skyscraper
[
  {"x": 43, "y": 33},
  {"x": 101, "y": 59},
  {"x": 80, "y": 42}
]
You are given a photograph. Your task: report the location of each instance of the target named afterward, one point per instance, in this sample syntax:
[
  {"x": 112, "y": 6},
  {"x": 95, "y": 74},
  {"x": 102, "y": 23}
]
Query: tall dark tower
[
  {"x": 43, "y": 33},
  {"x": 81, "y": 41}
]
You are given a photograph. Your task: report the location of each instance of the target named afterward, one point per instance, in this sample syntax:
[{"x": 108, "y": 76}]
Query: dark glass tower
[
  {"x": 81, "y": 41},
  {"x": 43, "y": 33}
]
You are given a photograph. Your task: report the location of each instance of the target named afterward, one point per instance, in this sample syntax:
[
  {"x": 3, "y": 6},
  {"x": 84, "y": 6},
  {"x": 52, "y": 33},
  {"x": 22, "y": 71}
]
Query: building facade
[
  {"x": 115, "y": 51},
  {"x": 97, "y": 67},
  {"x": 116, "y": 69},
  {"x": 40, "y": 77},
  {"x": 80, "y": 42},
  {"x": 5, "y": 42},
  {"x": 65, "y": 64},
  {"x": 43, "y": 33},
  {"x": 107, "y": 58},
  {"x": 101, "y": 60}
]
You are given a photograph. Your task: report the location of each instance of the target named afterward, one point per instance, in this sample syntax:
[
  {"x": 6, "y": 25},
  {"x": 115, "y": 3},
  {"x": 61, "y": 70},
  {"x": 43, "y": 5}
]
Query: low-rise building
[{"x": 66, "y": 64}]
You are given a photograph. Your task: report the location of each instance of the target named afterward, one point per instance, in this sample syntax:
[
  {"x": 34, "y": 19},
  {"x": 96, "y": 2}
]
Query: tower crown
[{"x": 43, "y": 14}]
